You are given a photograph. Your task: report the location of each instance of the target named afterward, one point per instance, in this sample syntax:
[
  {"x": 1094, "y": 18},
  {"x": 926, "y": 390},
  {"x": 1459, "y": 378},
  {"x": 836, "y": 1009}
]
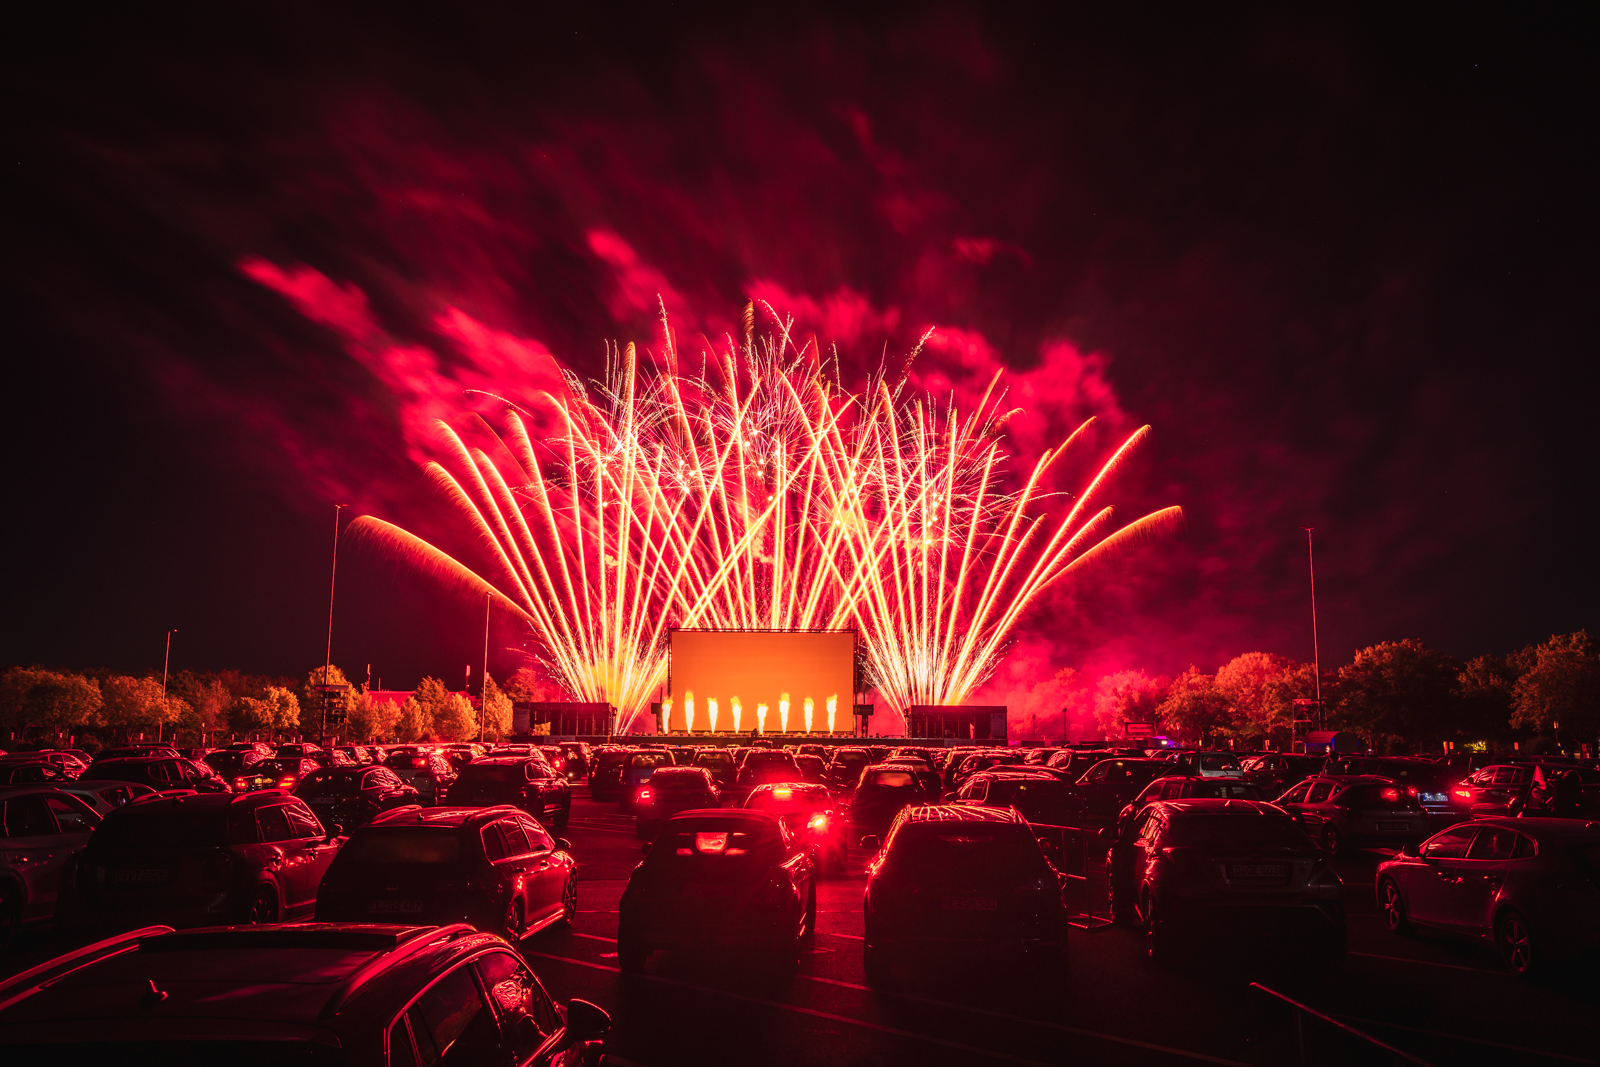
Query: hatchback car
[
  {"x": 844, "y": 769},
  {"x": 353, "y": 796},
  {"x": 669, "y": 791},
  {"x": 1240, "y": 869},
  {"x": 1275, "y": 772},
  {"x": 878, "y": 798},
  {"x": 956, "y": 877},
  {"x": 1527, "y": 788},
  {"x": 1340, "y": 812},
  {"x": 1431, "y": 781},
  {"x": 1531, "y": 886},
  {"x": 1037, "y": 798},
  {"x": 352, "y": 996},
  {"x": 765, "y": 766},
  {"x": 1183, "y": 787},
  {"x": 105, "y": 797},
  {"x": 199, "y": 860},
  {"x": 495, "y": 868},
  {"x": 525, "y": 782},
  {"x": 719, "y": 879},
  {"x": 1108, "y": 785},
  {"x": 1206, "y": 764},
  {"x": 69, "y": 763},
  {"x": 429, "y": 773},
  {"x": 41, "y": 829},
  {"x": 808, "y": 810},
  {"x": 720, "y": 763},
  {"x": 605, "y": 773}
]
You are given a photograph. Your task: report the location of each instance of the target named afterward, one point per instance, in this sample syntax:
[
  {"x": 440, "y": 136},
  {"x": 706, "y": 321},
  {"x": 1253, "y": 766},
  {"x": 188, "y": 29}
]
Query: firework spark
[{"x": 760, "y": 495}]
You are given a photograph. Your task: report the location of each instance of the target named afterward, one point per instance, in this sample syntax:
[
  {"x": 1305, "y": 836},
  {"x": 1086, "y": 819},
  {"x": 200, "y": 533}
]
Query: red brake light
[
  {"x": 645, "y": 794},
  {"x": 819, "y": 821},
  {"x": 1391, "y": 794},
  {"x": 783, "y": 792},
  {"x": 286, "y": 782},
  {"x": 241, "y": 785},
  {"x": 1464, "y": 793}
]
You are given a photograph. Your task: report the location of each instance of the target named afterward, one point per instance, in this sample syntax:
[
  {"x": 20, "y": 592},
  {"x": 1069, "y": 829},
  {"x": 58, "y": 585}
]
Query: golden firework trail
[{"x": 757, "y": 495}]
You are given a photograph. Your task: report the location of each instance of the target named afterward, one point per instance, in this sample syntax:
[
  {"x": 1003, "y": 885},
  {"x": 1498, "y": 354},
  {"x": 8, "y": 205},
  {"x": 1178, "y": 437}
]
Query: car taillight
[
  {"x": 645, "y": 794},
  {"x": 1390, "y": 794},
  {"x": 819, "y": 821},
  {"x": 1464, "y": 793},
  {"x": 783, "y": 792},
  {"x": 286, "y": 782},
  {"x": 241, "y": 785}
]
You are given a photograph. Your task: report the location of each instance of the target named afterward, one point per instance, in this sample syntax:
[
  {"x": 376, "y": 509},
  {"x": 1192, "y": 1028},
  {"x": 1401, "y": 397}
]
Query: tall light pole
[
  {"x": 483, "y": 688},
  {"x": 333, "y": 578},
  {"x": 166, "y": 661},
  {"x": 1316, "y": 654}
]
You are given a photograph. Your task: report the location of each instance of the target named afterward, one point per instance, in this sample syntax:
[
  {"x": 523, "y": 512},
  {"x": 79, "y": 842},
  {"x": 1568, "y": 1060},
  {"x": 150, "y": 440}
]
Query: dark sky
[{"x": 1341, "y": 259}]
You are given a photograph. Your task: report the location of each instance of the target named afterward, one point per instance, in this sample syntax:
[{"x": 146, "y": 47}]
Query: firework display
[{"x": 760, "y": 494}]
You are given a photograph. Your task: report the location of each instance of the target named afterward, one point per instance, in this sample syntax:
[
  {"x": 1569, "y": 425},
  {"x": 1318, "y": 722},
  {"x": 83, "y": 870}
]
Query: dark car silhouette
[
  {"x": 199, "y": 860},
  {"x": 353, "y": 796},
  {"x": 358, "y": 996},
  {"x": 669, "y": 791},
  {"x": 525, "y": 782},
  {"x": 41, "y": 830},
  {"x": 495, "y": 868},
  {"x": 883, "y": 791},
  {"x": 1339, "y": 812},
  {"x": 811, "y": 814},
  {"x": 158, "y": 772},
  {"x": 1037, "y": 797},
  {"x": 958, "y": 876},
  {"x": 715, "y": 880}
]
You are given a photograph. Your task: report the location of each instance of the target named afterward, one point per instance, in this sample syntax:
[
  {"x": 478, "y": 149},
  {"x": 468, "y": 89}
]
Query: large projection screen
[{"x": 758, "y": 667}]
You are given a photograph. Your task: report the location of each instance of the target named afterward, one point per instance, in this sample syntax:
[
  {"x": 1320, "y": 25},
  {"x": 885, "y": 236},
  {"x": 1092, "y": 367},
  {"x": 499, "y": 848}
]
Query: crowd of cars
[{"x": 410, "y": 869}]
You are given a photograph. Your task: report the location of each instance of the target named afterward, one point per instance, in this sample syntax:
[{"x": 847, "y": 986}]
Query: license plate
[
  {"x": 136, "y": 875},
  {"x": 1393, "y": 827},
  {"x": 970, "y": 903},
  {"x": 1258, "y": 870},
  {"x": 395, "y": 907}
]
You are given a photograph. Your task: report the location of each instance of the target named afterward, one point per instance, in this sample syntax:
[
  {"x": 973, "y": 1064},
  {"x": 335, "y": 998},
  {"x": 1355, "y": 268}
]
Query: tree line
[
  {"x": 1402, "y": 695},
  {"x": 207, "y": 707}
]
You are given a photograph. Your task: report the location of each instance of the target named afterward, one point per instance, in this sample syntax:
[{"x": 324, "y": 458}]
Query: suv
[
  {"x": 40, "y": 829},
  {"x": 199, "y": 860},
  {"x": 353, "y": 796},
  {"x": 605, "y": 773},
  {"x": 429, "y": 773},
  {"x": 157, "y": 772},
  {"x": 355, "y": 996},
  {"x": 526, "y": 782}
]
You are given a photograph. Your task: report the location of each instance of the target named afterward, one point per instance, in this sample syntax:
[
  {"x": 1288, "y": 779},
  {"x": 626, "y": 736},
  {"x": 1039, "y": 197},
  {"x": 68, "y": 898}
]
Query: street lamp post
[
  {"x": 327, "y": 661},
  {"x": 1316, "y": 654},
  {"x": 166, "y": 661},
  {"x": 483, "y": 688}
]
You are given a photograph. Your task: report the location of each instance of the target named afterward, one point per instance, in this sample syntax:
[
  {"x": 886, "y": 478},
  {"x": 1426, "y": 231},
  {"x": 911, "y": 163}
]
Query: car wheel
[
  {"x": 569, "y": 899},
  {"x": 1158, "y": 939},
  {"x": 809, "y": 936},
  {"x": 264, "y": 909},
  {"x": 1332, "y": 841},
  {"x": 10, "y": 915},
  {"x": 879, "y": 967},
  {"x": 1393, "y": 906},
  {"x": 1515, "y": 942},
  {"x": 631, "y": 955},
  {"x": 513, "y": 924}
]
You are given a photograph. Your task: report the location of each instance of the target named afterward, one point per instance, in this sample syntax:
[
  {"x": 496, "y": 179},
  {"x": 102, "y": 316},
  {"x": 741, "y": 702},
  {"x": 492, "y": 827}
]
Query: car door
[
  {"x": 281, "y": 854},
  {"x": 314, "y": 851},
  {"x": 37, "y": 846},
  {"x": 1313, "y": 812},
  {"x": 528, "y": 1018},
  {"x": 448, "y": 1026},
  {"x": 1503, "y": 788},
  {"x": 546, "y": 877},
  {"x": 1471, "y": 883},
  {"x": 1428, "y": 884},
  {"x": 517, "y": 866}
]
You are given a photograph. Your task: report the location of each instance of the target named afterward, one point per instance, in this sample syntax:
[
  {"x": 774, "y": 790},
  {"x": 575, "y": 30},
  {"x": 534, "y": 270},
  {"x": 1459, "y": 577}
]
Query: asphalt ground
[{"x": 1446, "y": 1001}]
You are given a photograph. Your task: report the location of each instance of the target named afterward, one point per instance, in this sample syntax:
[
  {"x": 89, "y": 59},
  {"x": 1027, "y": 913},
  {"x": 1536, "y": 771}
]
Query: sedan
[
  {"x": 105, "y": 797},
  {"x": 1237, "y": 868},
  {"x": 883, "y": 791},
  {"x": 525, "y": 782},
  {"x": 495, "y": 868},
  {"x": 1528, "y": 885},
  {"x": 669, "y": 791},
  {"x": 957, "y": 877},
  {"x": 40, "y": 830},
  {"x": 1034, "y": 796},
  {"x": 1111, "y": 783},
  {"x": 807, "y": 809},
  {"x": 1183, "y": 787},
  {"x": 353, "y": 796},
  {"x": 1361, "y": 810},
  {"x": 719, "y": 879},
  {"x": 1275, "y": 772}
]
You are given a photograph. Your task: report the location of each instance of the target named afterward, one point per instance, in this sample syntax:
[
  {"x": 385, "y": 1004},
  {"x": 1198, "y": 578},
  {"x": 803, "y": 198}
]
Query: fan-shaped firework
[{"x": 758, "y": 494}]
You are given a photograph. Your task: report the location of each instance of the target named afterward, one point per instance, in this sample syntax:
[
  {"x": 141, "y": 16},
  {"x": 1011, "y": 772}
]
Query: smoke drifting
[{"x": 1283, "y": 241}]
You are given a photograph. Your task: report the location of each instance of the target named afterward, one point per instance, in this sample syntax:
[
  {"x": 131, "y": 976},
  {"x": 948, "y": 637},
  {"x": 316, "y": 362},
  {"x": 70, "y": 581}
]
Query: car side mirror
[
  {"x": 585, "y": 1022},
  {"x": 563, "y": 844},
  {"x": 870, "y": 843},
  {"x": 1411, "y": 850},
  {"x": 644, "y": 846},
  {"x": 334, "y": 831}
]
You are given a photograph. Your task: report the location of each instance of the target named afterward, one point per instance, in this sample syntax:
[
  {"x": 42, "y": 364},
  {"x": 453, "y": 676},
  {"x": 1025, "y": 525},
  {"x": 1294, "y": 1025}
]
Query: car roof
[
  {"x": 445, "y": 818},
  {"x": 1015, "y": 774},
  {"x": 725, "y": 813},
  {"x": 918, "y": 813},
  {"x": 1544, "y": 829},
  {"x": 1203, "y": 805}
]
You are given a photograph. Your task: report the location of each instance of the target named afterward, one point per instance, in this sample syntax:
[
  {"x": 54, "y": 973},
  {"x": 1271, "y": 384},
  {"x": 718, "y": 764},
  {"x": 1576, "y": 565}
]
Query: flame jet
[{"x": 758, "y": 494}]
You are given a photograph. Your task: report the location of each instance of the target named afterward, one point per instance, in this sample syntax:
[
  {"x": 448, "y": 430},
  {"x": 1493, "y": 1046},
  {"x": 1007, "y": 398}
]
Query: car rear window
[
  {"x": 1224, "y": 789},
  {"x": 890, "y": 779},
  {"x": 403, "y": 845},
  {"x": 158, "y": 826},
  {"x": 712, "y": 839},
  {"x": 1004, "y": 851},
  {"x": 679, "y": 780},
  {"x": 786, "y": 799},
  {"x": 1383, "y": 797},
  {"x": 1236, "y": 830},
  {"x": 712, "y": 759},
  {"x": 1218, "y": 761},
  {"x": 1043, "y": 791},
  {"x": 331, "y": 784},
  {"x": 649, "y": 759},
  {"x": 493, "y": 774}
]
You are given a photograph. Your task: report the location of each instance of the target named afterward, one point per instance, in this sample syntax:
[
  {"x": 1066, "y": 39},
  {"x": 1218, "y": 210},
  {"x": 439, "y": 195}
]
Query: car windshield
[
  {"x": 1236, "y": 830},
  {"x": 492, "y": 774},
  {"x": 890, "y": 779},
  {"x": 233, "y": 762},
  {"x": 331, "y": 784},
  {"x": 1218, "y": 761},
  {"x": 1003, "y": 852},
  {"x": 1224, "y": 789},
  {"x": 403, "y": 845},
  {"x": 159, "y": 826}
]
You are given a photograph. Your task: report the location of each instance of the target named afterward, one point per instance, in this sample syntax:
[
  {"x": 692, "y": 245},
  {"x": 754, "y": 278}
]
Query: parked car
[
  {"x": 765, "y": 766},
  {"x": 26, "y": 770},
  {"x": 719, "y": 879},
  {"x": 956, "y": 876},
  {"x": 720, "y": 763},
  {"x": 1106, "y": 787},
  {"x": 353, "y": 796},
  {"x": 428, "y": 773},
  {"x": 883, "y": 791},
  {"x": 1183, "y": 787},
  {"x": 158, "y": 772},
  {"x": 282, "y": 772},
  {"x": 40, "y": 830},
  {"x": 1206, "y": 764},
  {"x": 135, "y": 751},
  {"x": 1274, "y": 772},
  {"x": 844, "y": 770},
  {"x": 813, "y": 769},
  {"x": 605, "y": 773},
  {"x": 495, "y": 868},
  {"x": 809, "y": 812},
  {"x": 200, "y": 860},
  {"x": 294, "y": 751},
  {"x": 1340, "y": 812},
  {"x": 232, "y": 763},
  {"x": 1528, "y": 885},
  {"x": 70, "y": 764},
  {"x": 979, "y": 761},
  {"x": 1034, "y": 796},
  {"x": 525, "y": 782},
  {"x": 927, "y": 777},
  {"x": 358, "y": 996},
  {"x": 576, "y": 763},
  {"x": 1528, "y": 789},
  {"x": 105, "y": 797},
  {"x": 1239, "y": 870},
  {"x": 356, "y": 754},
  {"x": 1431, "y": 781},
  {"x": 669, "y": 791}
]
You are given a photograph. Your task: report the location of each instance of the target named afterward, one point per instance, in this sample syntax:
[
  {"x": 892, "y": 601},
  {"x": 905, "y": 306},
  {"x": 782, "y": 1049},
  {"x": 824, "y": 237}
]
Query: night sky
[{"x": 1342, "y": 261}]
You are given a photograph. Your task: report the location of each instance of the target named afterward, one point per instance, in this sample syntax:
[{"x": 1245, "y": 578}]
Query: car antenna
[{"x": 152, "y": 997}]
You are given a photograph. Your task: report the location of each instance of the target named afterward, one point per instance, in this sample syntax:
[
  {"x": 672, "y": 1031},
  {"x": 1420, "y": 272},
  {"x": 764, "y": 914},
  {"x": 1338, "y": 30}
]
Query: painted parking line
[
  {"x": 1463, "y": 1037},
  {"x": 910, "y": 1034},
  {"x": 593, "y": 937}
]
